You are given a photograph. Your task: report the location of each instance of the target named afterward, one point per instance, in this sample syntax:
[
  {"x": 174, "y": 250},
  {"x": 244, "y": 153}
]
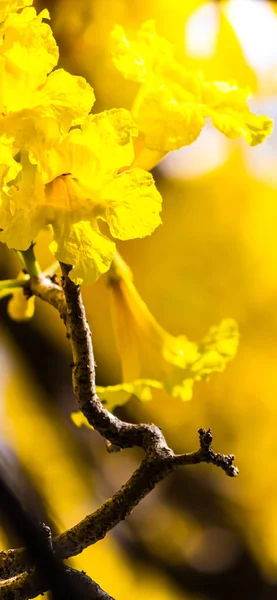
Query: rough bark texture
[{"x": 158, "y": 462}]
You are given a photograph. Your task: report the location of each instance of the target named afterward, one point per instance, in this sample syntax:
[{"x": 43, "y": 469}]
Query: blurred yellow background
[{"x": 199, "y": 534}]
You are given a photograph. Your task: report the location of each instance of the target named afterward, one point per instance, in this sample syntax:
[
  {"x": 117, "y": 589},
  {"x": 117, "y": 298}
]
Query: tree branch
[
  {"x": 159, "y": 459},
  {"x": 95, "y": 526}
]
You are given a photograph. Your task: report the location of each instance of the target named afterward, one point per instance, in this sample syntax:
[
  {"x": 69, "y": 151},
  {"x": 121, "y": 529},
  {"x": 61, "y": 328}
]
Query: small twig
[
  {"x": 207, "y": 454},
  {"x": 159, "y": 459}
]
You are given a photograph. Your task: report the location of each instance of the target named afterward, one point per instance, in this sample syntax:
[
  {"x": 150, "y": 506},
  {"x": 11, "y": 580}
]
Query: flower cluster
[
  {"x": 63, "y": 167},
  {"x": 173, "y": 103},
  {"x": 60, "y": 165}
]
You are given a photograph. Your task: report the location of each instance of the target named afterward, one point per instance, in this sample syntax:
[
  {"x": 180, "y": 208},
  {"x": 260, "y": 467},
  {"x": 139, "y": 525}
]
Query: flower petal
[
  {"x": 22, "y": 212},
  {"x": 79, "y": 419},
  {"x": 9, "y": 6},
  {"x": 183, "y": 391},
  {"x": 27, "y": 53},
  {"x": 254, "y": 128},
  {"x": 179, "y": 351},
  {"x": 133, "y": 205},
  {"x": 109, "y": 134},
  {"x": 166, "y": 123},
  {"x": 217, "y": 348},
  {"x": 117, "y": 395},
  {"x": 9, "y": 168},
  {"x": 63, "y": 101},
  {"x": 135, "y": 59},
  {"x": 92, "y": 154},
  {"x": 89, "y": 252},
  {"x": 226, "y": 105},
  {"x": 66, "y": 97}
]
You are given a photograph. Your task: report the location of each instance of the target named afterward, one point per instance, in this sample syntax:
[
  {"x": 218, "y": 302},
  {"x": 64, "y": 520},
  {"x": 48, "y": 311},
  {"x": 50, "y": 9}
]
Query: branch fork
[{"x": 159, "y": 459}]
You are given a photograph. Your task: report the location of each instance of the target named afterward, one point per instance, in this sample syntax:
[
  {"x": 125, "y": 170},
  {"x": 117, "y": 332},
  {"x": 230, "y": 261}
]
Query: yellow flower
[
  {"x": 150, "y": 354},
  {"x": 54, "y": 175},
  {"x": 28, "y": 53},
  {"x": 172, "y": 103},
  {"x": 151, "y": 357},
  {"x": 74, "y": 182}
]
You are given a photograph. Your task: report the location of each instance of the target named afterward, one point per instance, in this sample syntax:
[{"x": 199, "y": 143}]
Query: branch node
[{"x": 205, "y": 437}]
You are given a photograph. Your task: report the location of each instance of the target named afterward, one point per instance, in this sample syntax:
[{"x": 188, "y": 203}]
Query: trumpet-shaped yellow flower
[
  {"x": 149, "y": 354},
  {"x": 172, "y": 103},
  {"x": 152, "y": 358},
  {"x": 28, "y": 53},
  {"x": 73, "y": 182}
]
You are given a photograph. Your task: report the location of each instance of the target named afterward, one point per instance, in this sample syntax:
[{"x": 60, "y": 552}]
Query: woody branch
[{"x": 159, "y": 459}]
